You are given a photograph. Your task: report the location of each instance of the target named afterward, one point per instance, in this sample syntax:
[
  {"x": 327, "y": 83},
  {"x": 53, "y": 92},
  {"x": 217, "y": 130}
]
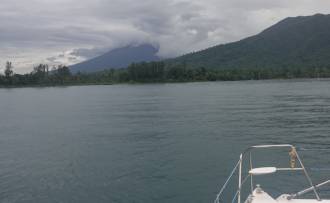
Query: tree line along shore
[{"x": 154, "y": 72}]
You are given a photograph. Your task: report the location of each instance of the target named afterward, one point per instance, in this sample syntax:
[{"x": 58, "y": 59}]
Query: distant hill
[
  {"x": 295, "y": 41},
  {"x": 118, "y": 58}
]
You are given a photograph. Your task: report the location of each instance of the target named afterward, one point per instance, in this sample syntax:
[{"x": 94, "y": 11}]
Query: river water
[{"x": 155, "y": 142}]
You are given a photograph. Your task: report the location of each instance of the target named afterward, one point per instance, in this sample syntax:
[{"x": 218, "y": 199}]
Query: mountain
[
  {"x": 118, "y": 58},
  {"x": 295, "y": 41}
]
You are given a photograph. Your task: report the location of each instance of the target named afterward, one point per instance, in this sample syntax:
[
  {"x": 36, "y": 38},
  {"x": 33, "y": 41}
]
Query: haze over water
[{"x": 153, "y": 143}]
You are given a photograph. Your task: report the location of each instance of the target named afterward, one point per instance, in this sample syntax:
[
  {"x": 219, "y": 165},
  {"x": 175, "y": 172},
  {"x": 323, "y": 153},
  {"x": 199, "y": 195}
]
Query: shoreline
[{"x": 149, "y": 83}]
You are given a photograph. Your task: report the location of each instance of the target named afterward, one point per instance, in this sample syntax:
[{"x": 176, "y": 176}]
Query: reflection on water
[{"x": 153, "y": 143}]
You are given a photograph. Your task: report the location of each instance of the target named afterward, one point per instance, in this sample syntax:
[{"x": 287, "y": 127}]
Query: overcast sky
[{"x": 69, "y": 31}]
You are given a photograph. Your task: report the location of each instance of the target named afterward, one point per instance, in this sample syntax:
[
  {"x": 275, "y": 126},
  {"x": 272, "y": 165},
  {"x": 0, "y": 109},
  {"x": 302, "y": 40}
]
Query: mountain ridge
[
  {"x": 118, "y": 58},
  {"x": 291, "y": 41}
]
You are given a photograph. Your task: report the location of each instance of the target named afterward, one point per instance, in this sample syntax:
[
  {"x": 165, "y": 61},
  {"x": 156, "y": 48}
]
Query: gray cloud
[{"x": 69, "y": 31}]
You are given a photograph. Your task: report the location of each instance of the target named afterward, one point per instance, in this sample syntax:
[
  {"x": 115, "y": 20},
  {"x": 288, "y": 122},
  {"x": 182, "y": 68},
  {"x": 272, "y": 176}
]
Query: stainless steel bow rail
[{"x": 267, "y": 170}]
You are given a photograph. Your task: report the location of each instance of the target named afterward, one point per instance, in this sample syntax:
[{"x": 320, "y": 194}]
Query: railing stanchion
[{"x": 240, "y": 178}]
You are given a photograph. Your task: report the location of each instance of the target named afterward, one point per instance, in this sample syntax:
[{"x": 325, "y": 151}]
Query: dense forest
[{"x": 153, "y": 72}]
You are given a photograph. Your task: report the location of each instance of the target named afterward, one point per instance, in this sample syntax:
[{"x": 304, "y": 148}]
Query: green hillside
[{"x": 296, "y": 41}]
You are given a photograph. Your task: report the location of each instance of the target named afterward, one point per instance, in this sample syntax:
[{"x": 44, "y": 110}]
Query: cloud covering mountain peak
[{"x": 69, "y": 31}]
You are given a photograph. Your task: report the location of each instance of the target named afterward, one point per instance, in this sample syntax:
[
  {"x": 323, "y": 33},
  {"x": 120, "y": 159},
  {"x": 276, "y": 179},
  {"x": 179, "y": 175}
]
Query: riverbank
[{"x": 154, "y": 82}]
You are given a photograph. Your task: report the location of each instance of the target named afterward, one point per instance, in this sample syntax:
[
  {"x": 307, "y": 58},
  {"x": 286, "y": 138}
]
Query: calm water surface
[{"x": 152, "y": 143}]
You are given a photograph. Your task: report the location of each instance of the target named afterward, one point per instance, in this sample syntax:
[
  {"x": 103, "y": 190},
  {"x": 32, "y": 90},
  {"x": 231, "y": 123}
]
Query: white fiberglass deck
[{"x": 260, "y": 196}]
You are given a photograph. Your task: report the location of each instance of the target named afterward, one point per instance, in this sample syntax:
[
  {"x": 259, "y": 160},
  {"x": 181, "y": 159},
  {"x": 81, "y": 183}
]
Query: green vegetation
[
  {"x": 154, "y": 72},
  {"x": 293, "y": 42},
  {"x": 39, "y": 76}
]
